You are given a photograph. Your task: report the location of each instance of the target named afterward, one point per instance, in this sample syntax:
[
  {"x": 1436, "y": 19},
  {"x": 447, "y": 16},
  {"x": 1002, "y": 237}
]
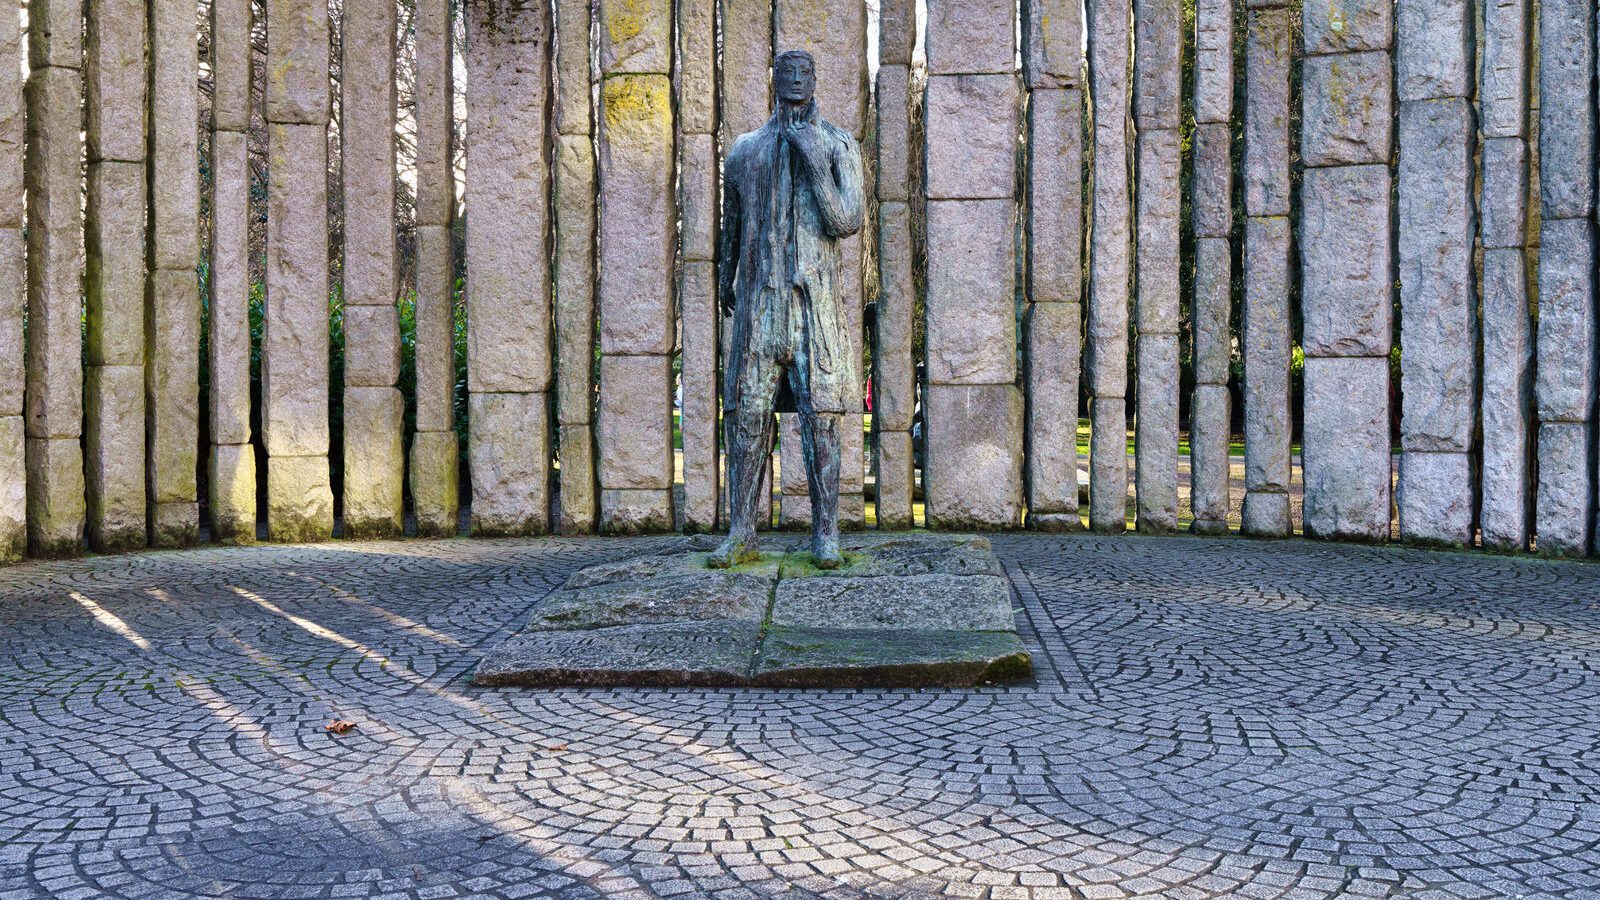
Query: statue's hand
[{"x": 806, "y": 138}]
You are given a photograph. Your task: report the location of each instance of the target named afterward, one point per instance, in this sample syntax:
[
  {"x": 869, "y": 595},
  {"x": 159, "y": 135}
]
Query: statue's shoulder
[
  {"x": 743, "y": 143},
  {"x": 838, "y": 135}
]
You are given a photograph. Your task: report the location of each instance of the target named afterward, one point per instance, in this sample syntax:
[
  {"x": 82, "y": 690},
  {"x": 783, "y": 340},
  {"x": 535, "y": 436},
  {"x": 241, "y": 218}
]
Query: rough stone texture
[
  {"x": 13, "y": 308},
  {"x": 299, "y": 499},
  {"x": 1507, "y": 402},
  {"x": 1435, "y": 498},
  {"x": 636, "y": 511},
  {"x": 971, "y": 141},
  {"x": 580, "y": 497},
  {"x": 13, "y": 488},
  {"x": 897, "y": 32},
  {"x": 1346, "y": 262},
  {"x": 294, "y": 358},
  {"x": 895, "y": 171},
  {"x": 1503, "y": 211},
  {"x": 1438, "y": 318},
  {"x": 113, "y": 229},
  {"x": 894, "y": 368},
  {"x": 55, "y": 33},
  {"x": 435, "y": 483},
  {"x": 1210, "y": 311},
  {"x": 1213, "y": 61},
  {"x": 973, "y": 468},
  {"x": 636, "y": 195},
  {"x": 697, "y": 64},
  {"x": 1503, "y": 75},
  {"x": 1108, "y": 464},
  {"x": 232, "y": 493},
  {"x": 1266, "y": 119},
  {"x": 895, "y": 479},
  {"x": 1346, "y": 112},
  {"x": 297, "y": 62},
  {"x": 1160, "y": 203},
  {"x": 697, "y": 291},
  {"x": 1266, "y": 359},
  {"x": 1054, "y": 341},
  {"x": 634, "y": 426},
  {"x": 175, "y": 524},
  {"x": 1346, "y": 448},
  {"x": 635, "y": 36},
  {"x": 745, "y": 87},
  {"x": 934, "y": 602},
  {"x": 573, "y": 103},
  {"x": 1156, "y": 472},
  {"x": 12, "y": 130},
  {"x": 435, "y": 337},
  {"x": 1265, "y": 514},
  {"x": 1566, "y": 95},
  {"x": 574, "y": 278},
  {"x": 1209, "y": 416},
  {"x": 1055, "y": 196},
  {"x": 1212, "y": 180},
  {"x": 1158, "y": 47},
  {"x": 1342, "y": 26},
  {"x": 114, "y": 80},
  {"x": 508, "y": 293},
  {"x": 1433, "y": 53},
  {"x": 698, "y": 653},
  {"x": 55, "y": 497},
  {"x": 1565, "y": 502},
  {"x": 674, "y": 598},
  {"x": 114, "y": 457},
  {"x": 509, "y": 452},
  {"x": 971, "y": 303},
  {"x": 835, "y": 33},
  {"x": 434, "y": 97},
  {"x": 174, "y": 237},
  {"x": 374, "y": 463},
  {"x": 55, "y": 266},
  {"x": 698, "y": 202},
  {"x": 230, "y": 61},
  {"x": 172, "y": 381},
  {"x": 367, "y": 145},
  {"x": 372, "y": 346},
  {"x": 1052, "y": 43},
  {"x": 970, "y": 36},
  {"x": 814, "y": 657},
  {"x": 792, "y": 480},
  {"x": 229, "y": 282},
  {"x": 1565, "y": 385}
]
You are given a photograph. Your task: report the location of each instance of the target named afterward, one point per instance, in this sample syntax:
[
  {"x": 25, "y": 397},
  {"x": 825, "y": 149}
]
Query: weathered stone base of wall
[
  {"x": 1346, "y": 448},
  {"x": 1108, "y": 465},
  {"x": 1565, "y": 501},
  {"x": 1265, "y": 514},
  {"x": 114, "y": 457},
  {"x": 55, "y": 497},
  {"x": 177, "y": 524},
  {"x": 509, "y": 451},
  {"x": 635, "y": 511},
  {"x": 13, "y": 490},
  {"x": 435, "y": 483},
  {"x": 232, "y": 495},
  {"x": 896, "y": 477},
  {"x": 1435, "y": 498},
  {"x": 1208, "y": 458},
  {"x": 299, "y": 499},
  {"x": 374, "y": 462},
  {"x": 973, "y": 474},
  {"x": 580, "y": 497}
]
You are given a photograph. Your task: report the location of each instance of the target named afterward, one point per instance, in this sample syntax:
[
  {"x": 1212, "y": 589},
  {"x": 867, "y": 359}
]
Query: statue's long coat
[{"x": 780, "y": 255}]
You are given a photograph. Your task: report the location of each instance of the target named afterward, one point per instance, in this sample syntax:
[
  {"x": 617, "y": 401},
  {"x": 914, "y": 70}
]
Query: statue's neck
[{"x": 793, "y": 112}]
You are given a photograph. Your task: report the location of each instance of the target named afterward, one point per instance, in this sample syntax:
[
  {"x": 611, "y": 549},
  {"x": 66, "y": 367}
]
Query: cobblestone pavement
[{"x": 1211, "y": 718}]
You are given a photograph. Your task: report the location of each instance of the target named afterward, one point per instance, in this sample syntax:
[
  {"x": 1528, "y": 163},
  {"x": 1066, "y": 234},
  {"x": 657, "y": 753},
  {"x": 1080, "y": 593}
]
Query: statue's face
[{"x": 796, "y": 79}]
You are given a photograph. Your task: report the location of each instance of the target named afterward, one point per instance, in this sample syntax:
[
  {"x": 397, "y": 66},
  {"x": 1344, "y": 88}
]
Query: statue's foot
[
  {"x": 735, "y": 550},
  {"x": 825, "y": 553}
]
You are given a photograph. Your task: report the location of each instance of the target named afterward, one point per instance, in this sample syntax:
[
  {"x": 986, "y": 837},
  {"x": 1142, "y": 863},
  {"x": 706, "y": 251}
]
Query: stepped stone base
[{"x": 904, "y": 611}]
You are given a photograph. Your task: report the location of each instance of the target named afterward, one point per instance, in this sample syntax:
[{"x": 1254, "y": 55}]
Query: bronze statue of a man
[{"x": 790, "y": 190}]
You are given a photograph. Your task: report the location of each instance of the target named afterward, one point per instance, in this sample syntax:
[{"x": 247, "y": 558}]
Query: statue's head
[{"x": 794, "y": 76}]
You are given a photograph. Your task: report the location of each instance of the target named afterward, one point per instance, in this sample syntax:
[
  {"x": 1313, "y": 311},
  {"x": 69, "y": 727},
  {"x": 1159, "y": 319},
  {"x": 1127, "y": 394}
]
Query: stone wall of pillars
[{"x": 1378, "y": 336}]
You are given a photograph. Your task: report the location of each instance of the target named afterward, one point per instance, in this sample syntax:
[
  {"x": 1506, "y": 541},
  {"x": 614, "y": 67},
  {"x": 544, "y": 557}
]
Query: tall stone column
[
  {"x": 54, "y": 381},
  {"x": 574, "y": 269},
  {"x": 638, "y": 240},
  {"x": 1106, "y": 354},
  {"x": 294, "y": 367},
  {"x": 374, "y": 442},
  {"x": 1347, "y": 267},
  {"x": 1211, "y": 343},
  {"x": 114, "y": 231},
  {"x": 508, "y": 268},
  {"x": 13, "y": 300},
  {"x": 1266, "y": 339},
  {"x": 1506, "y": 405},
  {"x": 1564, "y": 389},
  {"x": 232, "y": 466},
  {"x": 698, "y": 209},
  {"x": 1438, "y": 306},
  {"x": 894, "y": 369},
  {"x": 1052, "y": 68},
  {"x": 1158, "y": 48},
  {"x": 435, "y": 451}
]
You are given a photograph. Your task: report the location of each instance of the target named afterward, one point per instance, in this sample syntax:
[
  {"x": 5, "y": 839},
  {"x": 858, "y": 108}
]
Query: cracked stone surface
[{"x": 1208, "y": 718}]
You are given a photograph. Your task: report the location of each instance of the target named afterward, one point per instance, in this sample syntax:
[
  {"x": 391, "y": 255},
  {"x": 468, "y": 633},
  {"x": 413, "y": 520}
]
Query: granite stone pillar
[
  {"x": 574, "y": 268},
  {"x": 13, "y": 300},
  {"x": 698, "y": 207},
  {"x": 894, "y": 368},
  {"x": 1211, "y": 341}
]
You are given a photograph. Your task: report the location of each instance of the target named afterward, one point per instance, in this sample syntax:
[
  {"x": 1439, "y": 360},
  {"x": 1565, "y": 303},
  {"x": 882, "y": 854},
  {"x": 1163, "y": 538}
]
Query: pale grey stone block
[
  {"x": 508, "y": 291},
  {"x": 294, "y": 357},
  {"x": 172, "y": 382},
  {"x": 1211, "y": 310},
  {"x": 580, "y": 497},
  {"x": 14, "y": 485},
  {"x": 897, "y": 32},
  {"x": 55, "y": 34},
  {"x": 1346, "y": 448},
  {"x": 697, "y": 196},
  {"x": 745, "y": 89},
  {"x": 114, "y": 81},
  {"x": 635, "y": 511},
  {"x": 231, "y": 497},
  {"x": 230, "y": 59},
  {"x": 1438, "y": 303},
  {"x": 638, "y": 224},
  {"x": 1342, "y": 26},
  {"x": 1158, "y": 47},
  {"x": 435, "y": 356},
  {"x": 1504, "y": 208},
  {"x": 1212, "y": 179},
  {"x": 1055, "y": 195},
  {"x": 635, "y": 36},
  {"x": 1209, "y": 418},
  {"x": 55, "y": 497},
  {"x": 894, "y": 375},
  {"x": 793, "y": 479},
  {"x": 12, "y": 131},
  {"x": 1346, "y": 262},
  {"x": 55, "y": 257},
  {"x": 634, "y": 426},
  {"x": 970, "y": 36},
  {"x": 229, "y": 282},
  {"x": 1346, "y": 110},
  {"x": 13, "y": 307},
  {"x": 973, "y": 467},
  {"x": 574, "y": 278},
  {"x": 697, "y": 66},
  {"x": 1266, "y": 118},
  {"x": 1507, "y": 401},
  {"x": 1433, "y": 53},
  {"x": 971, "y": 142},
  {"x": 367, "y": 146},
  {"x": 1565, "y": 389},
  {"x": 114, "y": 457},
  {"x": 1108, "y": 464},
  {"x": 971, "y": 302},
  {"x": 1566, "y": 95},
  {"x": 697, "y": 292},
  {"x": 894, "y": 133},
  {"x": 1266, "y": 514},
  {"x": 1565, "y": 504},
  {"x": 434, "y": 109},
  {"x": 509, "y": 452},
  {"x": 297, "y": 61},
  {"x": 1266, "y": 352},
  {"x": 1160, "y": 203},
  {"x": 371, "y": 346},
  {"x": 1503, "y": 82},
  {"x": 1106, "y": 346},
  {"x": 895, "y": 480},
  {"x": 174, "y": 235},
  {"x": 113, "y": 229},
  {"x": 176, "y": 524},
  {"x": 1054, "y": 344},
  {"x": 374, "y": 463},
  {"x": 1156, "y": 425},
  {"x": 1052, "y": 43},
  {"x": 1213, "y": 61},
  {"x": 573, "y": 94},
  {"x": 435, "y": 483},
  {"x": 835, "y": 33},
  {"x": 1434, "y": 498},
  {"x": 299, "y": 499}
]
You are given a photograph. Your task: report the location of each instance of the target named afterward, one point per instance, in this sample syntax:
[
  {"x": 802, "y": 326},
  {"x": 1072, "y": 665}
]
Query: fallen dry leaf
[
  {"x": 556, "y": 748},
  {"x": 339, "y": 726}
]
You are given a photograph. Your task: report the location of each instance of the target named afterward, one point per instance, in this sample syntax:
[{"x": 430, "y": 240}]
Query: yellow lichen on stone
[{"x": 638, "y": 105}]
